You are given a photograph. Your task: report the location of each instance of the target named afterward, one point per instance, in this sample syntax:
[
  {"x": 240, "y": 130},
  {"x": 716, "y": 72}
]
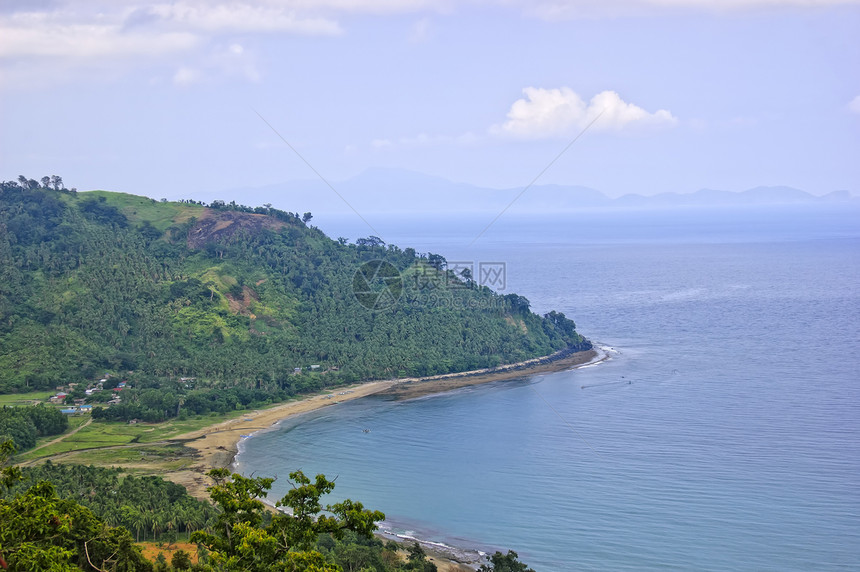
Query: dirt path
[
  {"x": 61, "y": 437},
  {"x": 60, "y": 456},
  {"x": 216, "y": 445}
]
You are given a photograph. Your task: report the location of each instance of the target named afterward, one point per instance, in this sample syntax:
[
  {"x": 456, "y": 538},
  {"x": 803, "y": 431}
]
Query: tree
[
  {"x": 46, "y": 180},
  {"x": 40, "y": 531},
  {"x": 560, "y": 322},
  {"x": 129, "y": 302},
  {"x": 417, "y": 559},
  {"x": 240, "y": 542},
  {"x": 56, "y": 182},
  {"x": 8, "y": 475},
  {"x": 306, "y": 218},
  {"x": 517, "y": 304},
  {"x": 437, "y": 261},
  {"x": 181, "y": 560},
  {"x": 149, "y": 232},
  {"x": 371, "y": 241},
  {"x": 307, "y": 521},
  {"x": 170, "y": 536},
  {"x": 504, "y": 563}
]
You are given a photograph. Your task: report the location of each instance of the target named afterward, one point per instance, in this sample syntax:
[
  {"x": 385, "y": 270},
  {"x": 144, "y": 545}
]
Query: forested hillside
[{"x": 233, "y": 296}]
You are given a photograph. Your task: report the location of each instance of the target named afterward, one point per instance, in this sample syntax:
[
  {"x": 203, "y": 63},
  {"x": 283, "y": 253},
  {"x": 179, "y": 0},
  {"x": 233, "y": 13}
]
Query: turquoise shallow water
[{"x": 724, "y": 433}]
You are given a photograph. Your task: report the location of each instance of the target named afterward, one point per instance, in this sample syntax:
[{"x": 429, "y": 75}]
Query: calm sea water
[{"x": 723, "y": 433}]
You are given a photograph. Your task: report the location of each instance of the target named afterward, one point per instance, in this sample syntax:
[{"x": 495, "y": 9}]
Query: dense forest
[
  {"x": 151, "y": 310},
  {"x": 25, "y": 424},
  {"x": 150, "y": 507},
  {"x": 71, "y": 518},
  {"x": 251, "y": 300}
]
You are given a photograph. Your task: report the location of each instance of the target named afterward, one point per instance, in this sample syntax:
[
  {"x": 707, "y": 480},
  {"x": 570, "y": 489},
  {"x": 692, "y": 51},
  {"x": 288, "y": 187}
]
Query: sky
[{"x": 171, "y": 99}]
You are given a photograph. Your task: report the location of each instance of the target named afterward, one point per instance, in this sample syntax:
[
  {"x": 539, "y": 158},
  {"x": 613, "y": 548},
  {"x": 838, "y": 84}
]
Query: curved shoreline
[{"x": 217, "y": 445}]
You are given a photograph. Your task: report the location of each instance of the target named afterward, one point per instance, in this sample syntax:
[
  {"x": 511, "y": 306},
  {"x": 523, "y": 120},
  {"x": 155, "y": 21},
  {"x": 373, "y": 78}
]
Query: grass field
[
  {"x": 75, "y": 421},
  {"x": 25, "y": 398},
  {"x": 161, "y": 215},
  {"x": 152, "y": 549},
  {"x": 111, "y": 434},
  {"x": 152, "y": 460}
]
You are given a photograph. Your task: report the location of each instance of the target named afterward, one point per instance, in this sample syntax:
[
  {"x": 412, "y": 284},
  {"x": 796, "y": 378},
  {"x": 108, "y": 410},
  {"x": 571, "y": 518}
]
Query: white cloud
[
  {"x": 124, "y": 28},
  {"x": 554, "y": 9},
  {"x": 241, "y": 17},
  {"x": 51, "y": 35},
  {"x": 723, "y": 4},
  {"x": 854, "y": 106},
  {"x": 544, "y": 113},
  {"x": 97, "y": 28},
  {"x": 562, "y": 112}
]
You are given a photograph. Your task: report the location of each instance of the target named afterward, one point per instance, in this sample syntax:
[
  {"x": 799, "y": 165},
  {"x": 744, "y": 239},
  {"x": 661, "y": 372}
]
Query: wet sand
[{"x": 217, "y": 445}]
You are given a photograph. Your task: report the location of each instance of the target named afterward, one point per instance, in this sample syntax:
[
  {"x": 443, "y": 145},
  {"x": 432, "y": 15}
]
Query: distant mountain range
[{"x": 381, "y": 190}]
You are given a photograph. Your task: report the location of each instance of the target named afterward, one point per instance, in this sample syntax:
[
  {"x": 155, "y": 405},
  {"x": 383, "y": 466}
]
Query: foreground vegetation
[
  {"x": 150, "y": 507},
  {"x": 56, "y": 518}
]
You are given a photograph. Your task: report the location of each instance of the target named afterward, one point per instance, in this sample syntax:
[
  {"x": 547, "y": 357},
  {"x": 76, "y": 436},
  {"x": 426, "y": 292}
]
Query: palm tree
[
  {"x": 157, "y": 524},
  {"x": 135, "y": 520}
]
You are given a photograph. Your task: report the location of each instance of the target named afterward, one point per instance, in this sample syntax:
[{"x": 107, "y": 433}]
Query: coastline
[
  {"x": 411, "y": 388},
  {"x": 217, "y": 445}
]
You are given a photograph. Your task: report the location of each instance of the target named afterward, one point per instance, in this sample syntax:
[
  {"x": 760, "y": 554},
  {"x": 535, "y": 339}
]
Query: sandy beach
[{"x": 217, "y": 445}]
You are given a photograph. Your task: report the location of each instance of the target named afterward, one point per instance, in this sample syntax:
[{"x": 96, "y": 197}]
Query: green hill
[{"x": 234, "y": 296}]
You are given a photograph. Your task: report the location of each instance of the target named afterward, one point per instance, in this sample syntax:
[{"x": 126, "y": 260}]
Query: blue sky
[{"x": 161, "y": 99}]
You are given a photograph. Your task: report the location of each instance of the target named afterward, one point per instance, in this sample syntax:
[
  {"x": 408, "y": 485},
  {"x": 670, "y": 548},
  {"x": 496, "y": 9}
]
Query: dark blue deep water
[{"x": 723, "y": 433}]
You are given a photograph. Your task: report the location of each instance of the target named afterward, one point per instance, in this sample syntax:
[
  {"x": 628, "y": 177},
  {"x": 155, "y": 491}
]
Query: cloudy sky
[{"x": 171, "y": 98}]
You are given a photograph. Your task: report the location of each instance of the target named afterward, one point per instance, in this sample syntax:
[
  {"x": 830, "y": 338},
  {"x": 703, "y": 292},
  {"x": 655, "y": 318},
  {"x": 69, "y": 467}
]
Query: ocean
[{"x": 723, "y": 432}]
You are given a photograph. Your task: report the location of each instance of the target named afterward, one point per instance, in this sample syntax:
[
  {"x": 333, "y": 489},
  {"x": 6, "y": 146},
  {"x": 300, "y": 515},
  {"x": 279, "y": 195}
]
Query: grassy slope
[
  {"x": 271, "y": 310},
  {"x": 138, "y": 209},
  {"x": 276, "y": 303}
]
